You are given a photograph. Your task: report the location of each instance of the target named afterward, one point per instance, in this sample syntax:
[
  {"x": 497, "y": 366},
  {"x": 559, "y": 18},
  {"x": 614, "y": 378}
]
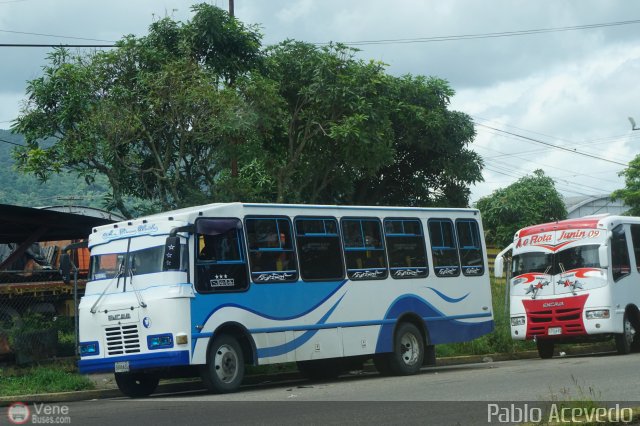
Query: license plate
[
  {"x": 122, "y": 367},
  {"x": 554, "y": 331}
]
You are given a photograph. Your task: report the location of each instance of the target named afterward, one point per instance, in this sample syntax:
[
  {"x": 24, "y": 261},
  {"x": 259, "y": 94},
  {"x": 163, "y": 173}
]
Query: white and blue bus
[{"x": 209, "y": 289}]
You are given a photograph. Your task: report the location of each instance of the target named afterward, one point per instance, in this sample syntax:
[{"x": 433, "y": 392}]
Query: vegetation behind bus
[
  {"x": 528, "y": 201},
  {"x": 291, "y": 123}
]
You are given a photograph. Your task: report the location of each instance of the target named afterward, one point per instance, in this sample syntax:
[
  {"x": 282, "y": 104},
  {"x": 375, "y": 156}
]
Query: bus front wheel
[
  {"x": 137, "y": 385},
  {"x": 224, "y": 370},
  {"x": 545, "y": 348},
  {"x": 624, "y": 341}
]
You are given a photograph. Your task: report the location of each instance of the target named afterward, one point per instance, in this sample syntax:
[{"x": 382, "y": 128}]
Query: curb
[{"x": 194, "y": 385}]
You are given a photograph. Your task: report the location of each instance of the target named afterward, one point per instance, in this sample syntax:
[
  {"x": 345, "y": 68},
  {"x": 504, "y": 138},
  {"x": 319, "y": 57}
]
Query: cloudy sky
[{"x": 556, "y": 100}]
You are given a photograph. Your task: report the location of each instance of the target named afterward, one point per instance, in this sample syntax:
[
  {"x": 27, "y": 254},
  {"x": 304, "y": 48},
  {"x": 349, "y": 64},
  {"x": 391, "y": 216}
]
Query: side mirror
[
  {"x": 65, "y": 267},
  {"x": 172, "y": 259},
  {"x": 603, "y": 255},
  {"x": 498, "y": 267}
]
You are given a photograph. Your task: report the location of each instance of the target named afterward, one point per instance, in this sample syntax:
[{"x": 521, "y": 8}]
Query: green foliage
[
  {"x": 38, "y": 380},
  {"x": 499, "y": 341},
  {"x": 630, "y": 194},
  {"x": 25, "y": 190},
  {"x": 529, "y": 201},
  {"x": 198, "y": 112},
  {"x": 152, "y": 115}
]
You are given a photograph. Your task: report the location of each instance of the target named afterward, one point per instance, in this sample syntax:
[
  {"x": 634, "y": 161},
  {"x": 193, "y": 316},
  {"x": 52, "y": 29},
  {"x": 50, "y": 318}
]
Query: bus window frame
[
  {"x": 197, "y": 262},
  {"x": 454, "y": 238},
  {"x": 365, "y": 271},
  {"x": 293, "y": 250},
  {"x": 424, "y": 247},
  {"x": 340, "y": 246},
  {"x": 479, "y": 246}
]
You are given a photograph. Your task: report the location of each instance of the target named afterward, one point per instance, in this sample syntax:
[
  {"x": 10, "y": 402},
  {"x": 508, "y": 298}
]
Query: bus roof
[
  {"x": 582, "y": 222},
  {"x": 189, "y": 214}
]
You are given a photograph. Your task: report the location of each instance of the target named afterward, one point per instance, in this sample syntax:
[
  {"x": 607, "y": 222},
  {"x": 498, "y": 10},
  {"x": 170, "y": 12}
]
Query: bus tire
[
  {"x": 224, "y": 370},
  {"x": 137, "y": 385},
  {"x": 408, "y": 350},
  {"x": 545, "y": 348},
  {"x": 624, "y": 340}
]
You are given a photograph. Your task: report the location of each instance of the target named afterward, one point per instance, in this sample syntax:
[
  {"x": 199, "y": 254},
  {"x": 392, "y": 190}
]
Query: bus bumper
[{"x": 135, "y": 362}]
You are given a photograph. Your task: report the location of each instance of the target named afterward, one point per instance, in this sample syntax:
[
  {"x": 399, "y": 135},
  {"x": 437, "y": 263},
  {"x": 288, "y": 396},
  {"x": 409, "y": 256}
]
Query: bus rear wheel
[
  {"x": 545, "y": 348},
  {"x": 624, "y": 341},
  {"x": 224, "y": 370},
  {"x": 137, "y": 385},
  {"x": 408, "y": 351}
]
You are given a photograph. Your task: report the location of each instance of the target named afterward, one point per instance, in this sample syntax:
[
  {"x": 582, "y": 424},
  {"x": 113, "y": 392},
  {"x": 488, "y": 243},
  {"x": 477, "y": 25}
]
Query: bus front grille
[
  {"x": 122, "y": 339},
  {"x": 555, "y": 318}
]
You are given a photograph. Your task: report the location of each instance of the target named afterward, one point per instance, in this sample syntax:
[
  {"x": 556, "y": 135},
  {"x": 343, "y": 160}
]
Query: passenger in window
[{"x": 208, "y": 251}]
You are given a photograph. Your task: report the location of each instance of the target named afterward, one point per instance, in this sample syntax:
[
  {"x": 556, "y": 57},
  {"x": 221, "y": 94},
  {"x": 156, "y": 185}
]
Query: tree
[
  {"x": 344, "y": 131},
  {"x": 431, "y": 164},
  {"x": 327, "y": 123},
  {"x": 528, "y": 201},
  {"x": 165, "y": 116},
  {"x": 630, "y": 194},
  {"x": 152, "y": 115}
]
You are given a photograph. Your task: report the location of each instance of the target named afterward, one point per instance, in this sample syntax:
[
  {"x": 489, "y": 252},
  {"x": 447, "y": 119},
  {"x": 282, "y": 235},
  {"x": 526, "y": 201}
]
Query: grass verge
[{"x": 42, "y": 379}]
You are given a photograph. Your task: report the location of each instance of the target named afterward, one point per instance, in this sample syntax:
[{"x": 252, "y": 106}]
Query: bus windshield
[
  {"x": 145, "y": 261},
  {"x": 556, "y": 263},
  {"x": 531, "y": 262}
]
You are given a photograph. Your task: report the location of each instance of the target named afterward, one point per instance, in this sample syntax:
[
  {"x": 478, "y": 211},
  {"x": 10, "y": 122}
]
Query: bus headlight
[
  {"x": 160, "y": 341},
  {"x": 88, "y": 348},
  {"x": 515, "y": 321},
  {"x": 598, "y": 314}
]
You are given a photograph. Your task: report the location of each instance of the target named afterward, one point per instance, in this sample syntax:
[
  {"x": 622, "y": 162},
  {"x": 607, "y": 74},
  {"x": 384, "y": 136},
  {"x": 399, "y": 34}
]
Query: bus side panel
[
  {"x": 441, "y": 328},
  {"x": 359, "y": 340}
]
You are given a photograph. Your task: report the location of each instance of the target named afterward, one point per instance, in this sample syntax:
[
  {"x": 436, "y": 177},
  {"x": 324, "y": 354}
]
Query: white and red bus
[{"x": 575, "y": 280}]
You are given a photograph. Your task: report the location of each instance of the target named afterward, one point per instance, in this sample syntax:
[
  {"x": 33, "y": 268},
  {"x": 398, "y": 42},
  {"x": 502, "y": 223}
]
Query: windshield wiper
[
  {"x": 135, "y": 290},
  {"x": 116, "y": 278}
]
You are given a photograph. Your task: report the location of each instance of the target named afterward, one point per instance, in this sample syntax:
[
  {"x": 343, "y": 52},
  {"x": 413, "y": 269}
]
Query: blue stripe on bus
[
  {"x": 271, "y": 301},
  {"x": 447, "y": 298},
  {"x": 441, "y": 328},
  {"x": 354, "y": 324},
  {"x": 298, "y": 341},
  {"x": 136, "y": 362}
]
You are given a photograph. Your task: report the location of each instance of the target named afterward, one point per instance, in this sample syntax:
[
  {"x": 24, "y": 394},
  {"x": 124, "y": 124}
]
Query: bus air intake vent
[{"x": 122, "y": 339}]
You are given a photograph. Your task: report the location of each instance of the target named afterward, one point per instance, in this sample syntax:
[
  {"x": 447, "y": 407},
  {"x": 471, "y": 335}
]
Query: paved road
[{"x": 439, "y": 396}]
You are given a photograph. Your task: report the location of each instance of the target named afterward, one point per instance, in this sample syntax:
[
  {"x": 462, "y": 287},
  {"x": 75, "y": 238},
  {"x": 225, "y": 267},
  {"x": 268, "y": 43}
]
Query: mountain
[{"x": 25, "y": 190}]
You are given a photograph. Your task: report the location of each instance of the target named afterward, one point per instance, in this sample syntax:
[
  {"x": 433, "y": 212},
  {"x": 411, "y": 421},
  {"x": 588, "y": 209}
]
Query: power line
[
  {"x": 574, "y": 151},
  {"x": 485, "y": 35},
  {"x": 55, "y": 35},
  {"x": 12, "y": 143},
  {"x": 54, "y": 45},
  {"x": 372, "y": 42}
]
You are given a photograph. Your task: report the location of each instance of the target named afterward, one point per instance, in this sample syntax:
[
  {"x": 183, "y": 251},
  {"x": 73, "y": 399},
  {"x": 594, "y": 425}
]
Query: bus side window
[
  {"x": 443, "y": 248},
  {"x": 220, "y": 262},
  {"x": 621, "y": 265},
  {"x": 364, "y": 249},
  {"x": 319, "y": 249},
  {"x": 635, "y": 240},
  {"x": 271, "y": 253},
  {"x": 470, "y": 247},
  {"x": 406, "y": 248}
]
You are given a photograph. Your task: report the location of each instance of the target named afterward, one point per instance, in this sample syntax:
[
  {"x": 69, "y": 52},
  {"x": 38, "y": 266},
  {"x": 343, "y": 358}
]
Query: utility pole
[{"x": 234, "y": 160}]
